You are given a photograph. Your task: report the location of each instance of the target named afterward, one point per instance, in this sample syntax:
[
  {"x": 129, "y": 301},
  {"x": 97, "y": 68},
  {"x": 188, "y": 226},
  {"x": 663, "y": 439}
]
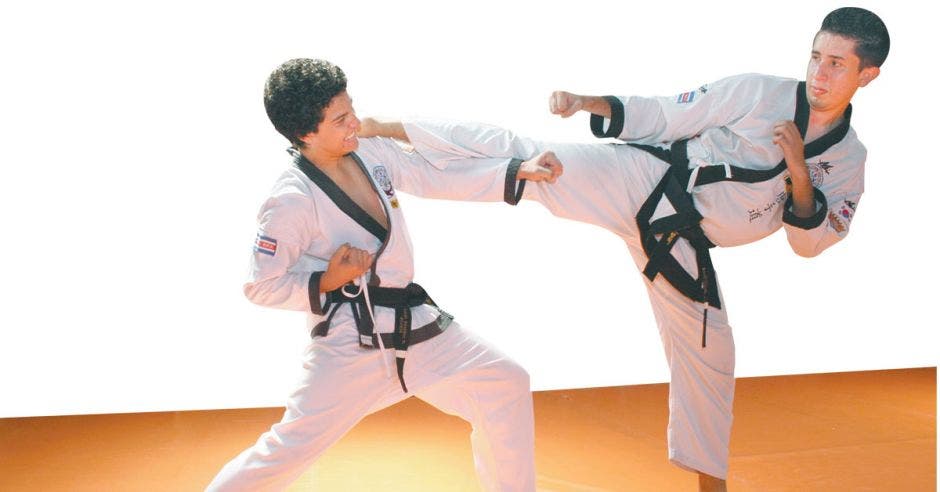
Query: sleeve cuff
[
  {"x": 616, "y": 120},
  {"x": 513, "y": 189},
  {"x": 812, "y": 221},
  {"x": 313, "y": 292}
]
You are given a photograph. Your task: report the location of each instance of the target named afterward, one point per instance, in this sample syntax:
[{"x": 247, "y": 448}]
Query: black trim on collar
[
  {"x": 340, "y": 198},
  {"x": 616, "y": 120},
  {"x": 801, "y": 113},
  {"x": 375, "y": 279},
  {"x": 832, "y": 137},
  {"x": 812, "y": 221}
]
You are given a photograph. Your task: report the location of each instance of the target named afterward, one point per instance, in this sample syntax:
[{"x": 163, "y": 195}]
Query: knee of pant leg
[{"x": 517, "y": 376}]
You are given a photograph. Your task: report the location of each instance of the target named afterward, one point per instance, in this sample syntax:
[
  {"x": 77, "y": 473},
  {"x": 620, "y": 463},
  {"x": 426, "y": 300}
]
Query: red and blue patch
[
  {"x": 685, "y": 97},
  {"x": 265, "y": 245}
]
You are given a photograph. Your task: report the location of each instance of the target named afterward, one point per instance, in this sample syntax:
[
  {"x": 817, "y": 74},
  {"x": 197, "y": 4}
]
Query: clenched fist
[
  {"x": 543, "y": 167},
  {"x": 346, "y": 265},
  {"x": 565, "y": 103}
]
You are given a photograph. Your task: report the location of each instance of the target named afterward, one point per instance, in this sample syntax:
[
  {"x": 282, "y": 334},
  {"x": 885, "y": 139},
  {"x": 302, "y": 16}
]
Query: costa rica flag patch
[
  {"x": 266, "y": 245},
  {"x": 685, "y": 97}
]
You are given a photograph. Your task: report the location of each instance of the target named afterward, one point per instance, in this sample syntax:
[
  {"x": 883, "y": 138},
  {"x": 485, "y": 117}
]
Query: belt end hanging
[
  {"x": 400, "y": 363},
  {"x": 704, "y": 323}
]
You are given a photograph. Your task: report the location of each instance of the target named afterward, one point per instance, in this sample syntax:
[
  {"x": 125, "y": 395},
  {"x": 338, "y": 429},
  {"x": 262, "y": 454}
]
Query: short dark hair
[
  {"x": 296, "y": 94},
  {"x": 865, "y": 28}
]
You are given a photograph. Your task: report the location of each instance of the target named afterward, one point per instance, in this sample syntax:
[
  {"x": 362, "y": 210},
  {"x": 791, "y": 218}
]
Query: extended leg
[
  {"x": 339, "y": 387},
  {"x": 489, "y": 390}
]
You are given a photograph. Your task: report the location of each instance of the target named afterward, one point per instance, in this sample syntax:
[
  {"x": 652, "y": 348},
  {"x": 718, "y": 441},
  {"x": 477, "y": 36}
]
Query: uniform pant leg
[
  {"x": 464, "y": 376},
  {"x": 603, "y": 184},
  {"x": 606, "y": 185},
  {"x": 340, "y": 385},
  {"x": 701, "y": 388}
]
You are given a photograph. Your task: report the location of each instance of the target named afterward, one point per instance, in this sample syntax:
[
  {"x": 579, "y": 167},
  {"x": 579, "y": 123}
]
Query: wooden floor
[{"x": 828, "y": 432}]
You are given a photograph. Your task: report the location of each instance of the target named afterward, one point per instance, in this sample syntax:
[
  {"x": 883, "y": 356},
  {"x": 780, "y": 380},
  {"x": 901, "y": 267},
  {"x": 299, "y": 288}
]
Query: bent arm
[
  {"x": 826, "y": 221},
  {"x": 279, "y": 276}
]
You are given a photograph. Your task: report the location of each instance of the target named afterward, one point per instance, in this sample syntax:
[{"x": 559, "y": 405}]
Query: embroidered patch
[
  {"x": 703, "y": 89},
  {"x": 847, "y": 210},
  {"x": 685, "y": 97},
  {"x": 836, "y": 223},
  {"x": 818, "y": 171},
  {"x": 266, "y": 245},
  {"x": 381, "y": 178}
]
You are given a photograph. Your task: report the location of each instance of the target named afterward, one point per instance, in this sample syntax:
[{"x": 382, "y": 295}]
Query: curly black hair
[
  {"x": 865, "y": 28},
  {"x": 296, "y": 94}
]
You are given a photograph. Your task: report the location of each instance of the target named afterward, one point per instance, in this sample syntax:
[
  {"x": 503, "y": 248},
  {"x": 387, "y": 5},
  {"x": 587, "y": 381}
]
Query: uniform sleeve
[
  {"x": 652, "y": 120},
  {"x": 279, "y": 277},
  {"x": 436, "y": 168},
  {"x": 836, "y": 202}
]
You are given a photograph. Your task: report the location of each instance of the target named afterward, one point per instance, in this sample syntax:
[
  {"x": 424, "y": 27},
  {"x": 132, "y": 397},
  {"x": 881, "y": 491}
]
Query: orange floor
[{"x": 871, "y": 430}]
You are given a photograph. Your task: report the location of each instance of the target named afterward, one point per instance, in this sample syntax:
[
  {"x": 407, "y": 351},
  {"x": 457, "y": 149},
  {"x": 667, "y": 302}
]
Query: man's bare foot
[{"x": 708, "y": 483}]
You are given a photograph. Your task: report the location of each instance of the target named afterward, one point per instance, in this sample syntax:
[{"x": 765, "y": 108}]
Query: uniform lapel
[{"x": 341, "y": 199}]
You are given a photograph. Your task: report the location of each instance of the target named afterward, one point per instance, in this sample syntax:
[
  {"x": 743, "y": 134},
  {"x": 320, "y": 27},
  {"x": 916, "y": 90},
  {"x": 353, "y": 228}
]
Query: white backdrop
[{"x": 136, "y": 152}]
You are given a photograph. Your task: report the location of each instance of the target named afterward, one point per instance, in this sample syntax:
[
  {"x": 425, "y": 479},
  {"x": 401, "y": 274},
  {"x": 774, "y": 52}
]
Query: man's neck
[
  {"x": 825, "y": 120},
  {"x": 323, "y": 160},
  {"x": 820, "y": 122}
]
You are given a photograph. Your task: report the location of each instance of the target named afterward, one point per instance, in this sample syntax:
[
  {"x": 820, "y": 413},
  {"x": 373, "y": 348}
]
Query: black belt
[
  {"x": 402, "y": 300},
  {"x": 686, "y": 223}
]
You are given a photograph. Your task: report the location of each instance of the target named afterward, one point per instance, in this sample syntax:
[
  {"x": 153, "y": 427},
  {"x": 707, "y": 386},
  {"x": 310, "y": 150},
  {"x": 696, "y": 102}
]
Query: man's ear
[
  {"x": 307, "y": 138},
  {"x": 867, "y": 75}
]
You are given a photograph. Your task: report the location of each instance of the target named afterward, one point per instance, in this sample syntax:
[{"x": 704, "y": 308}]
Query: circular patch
[{"x": 381, "y": 178}]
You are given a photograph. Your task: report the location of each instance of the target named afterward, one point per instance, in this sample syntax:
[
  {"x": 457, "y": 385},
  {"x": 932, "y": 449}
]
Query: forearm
[
  {"x": 330, "y": 281},
  {"x": 804, "y": 204},
  {"x": 371, "y": 127},
  {"x": 596, "y": 105}
]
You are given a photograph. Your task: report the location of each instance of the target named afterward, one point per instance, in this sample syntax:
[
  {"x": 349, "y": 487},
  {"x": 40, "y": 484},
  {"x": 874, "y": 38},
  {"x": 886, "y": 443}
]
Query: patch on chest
[
  {"x": 385, "y": 183},
  {"x": 380, "y": 174},
  {"x": 818, "y": 171}
]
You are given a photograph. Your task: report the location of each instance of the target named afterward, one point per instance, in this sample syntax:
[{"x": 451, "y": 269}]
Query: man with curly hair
[
  {"x": 332, "y": 242},
  {"x": 722, "y": 165}
]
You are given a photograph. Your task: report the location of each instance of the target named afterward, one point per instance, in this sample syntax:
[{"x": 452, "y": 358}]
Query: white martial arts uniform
[
  {"x": 341, "y": 382},
  {"x": 730, "y": 121}
]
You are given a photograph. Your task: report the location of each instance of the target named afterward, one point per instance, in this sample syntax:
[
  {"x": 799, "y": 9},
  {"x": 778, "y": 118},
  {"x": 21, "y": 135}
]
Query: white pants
[
  {"x": 605, "y": 185},
  {"x": 342, "y": 383}
]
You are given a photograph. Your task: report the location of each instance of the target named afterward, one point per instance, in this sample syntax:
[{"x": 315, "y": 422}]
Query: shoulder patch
[
  {"x": 265, "y": 245},
  {"x": 847, "y": 210},
  {"x": 685, "y": 97},
  {"x": 836, "y": 223}
]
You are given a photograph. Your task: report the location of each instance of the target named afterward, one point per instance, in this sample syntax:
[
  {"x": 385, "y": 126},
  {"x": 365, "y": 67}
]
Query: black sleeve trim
[
  {"x": 512, "y": 192},
  {"x": 814, "y": 220},
  {"x": 313, "y": 293},
  {"x": 616, "y": 120}
]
